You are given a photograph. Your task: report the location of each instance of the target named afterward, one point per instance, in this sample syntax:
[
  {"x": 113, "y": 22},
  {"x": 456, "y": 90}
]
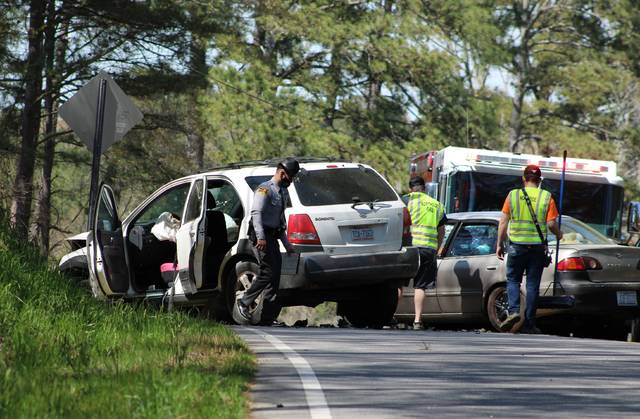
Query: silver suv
[{"x": 347, "y": 224}]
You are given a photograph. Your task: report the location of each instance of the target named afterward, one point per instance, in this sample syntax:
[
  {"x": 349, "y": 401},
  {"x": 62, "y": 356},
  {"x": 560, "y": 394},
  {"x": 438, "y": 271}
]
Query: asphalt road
[{"x": 349, "y": 373}]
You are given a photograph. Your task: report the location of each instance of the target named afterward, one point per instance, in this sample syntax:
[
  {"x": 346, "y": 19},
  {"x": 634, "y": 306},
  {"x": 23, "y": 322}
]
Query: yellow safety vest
[
  {"x": 426, "y": 214},
  {"x": 522, "y": 229}
]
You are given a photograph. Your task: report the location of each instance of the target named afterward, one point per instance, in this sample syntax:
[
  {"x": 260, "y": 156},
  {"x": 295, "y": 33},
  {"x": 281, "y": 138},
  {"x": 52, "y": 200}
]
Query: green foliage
[
  {"x": 63, "y": 354},
  {"x": 374, "y": 82}
]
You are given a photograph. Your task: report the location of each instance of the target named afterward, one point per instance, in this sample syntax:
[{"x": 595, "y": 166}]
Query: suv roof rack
[{"x": 274, "y": 162}]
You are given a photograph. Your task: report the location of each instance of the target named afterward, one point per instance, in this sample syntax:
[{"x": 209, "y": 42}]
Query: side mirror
[
  {"x": 431, "y": 189},
  {"x": 633, "y": 217}
]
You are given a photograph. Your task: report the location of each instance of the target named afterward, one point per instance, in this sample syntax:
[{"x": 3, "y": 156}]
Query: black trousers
[{"x": 268, "y": 279}]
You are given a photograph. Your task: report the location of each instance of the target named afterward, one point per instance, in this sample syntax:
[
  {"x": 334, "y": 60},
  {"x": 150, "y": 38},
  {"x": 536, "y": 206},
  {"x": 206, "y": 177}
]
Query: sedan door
[
  {"x": 469, "y": 262},
  {"x": 107, "y": 259},
  {"x": 430, "y": 305}
]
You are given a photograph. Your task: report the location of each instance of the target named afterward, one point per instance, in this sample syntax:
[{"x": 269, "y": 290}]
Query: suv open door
[
  {"x": 108, "y": 269},
  {"x": 190, "y": 239}
]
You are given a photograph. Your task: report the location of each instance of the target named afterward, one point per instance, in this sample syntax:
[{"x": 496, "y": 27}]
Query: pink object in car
[{"x": 168, "y": 272}]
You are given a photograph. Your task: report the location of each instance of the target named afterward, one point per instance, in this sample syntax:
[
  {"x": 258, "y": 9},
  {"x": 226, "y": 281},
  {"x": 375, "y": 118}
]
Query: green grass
[{"x": 64, "y": 354}]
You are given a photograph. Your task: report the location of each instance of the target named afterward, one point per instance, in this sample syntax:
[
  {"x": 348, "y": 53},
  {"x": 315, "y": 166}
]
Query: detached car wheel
[
  {"x": 374, "y": 311},
  {"x": 497, "y": 309},
  {"x": 238, "y": 283}
]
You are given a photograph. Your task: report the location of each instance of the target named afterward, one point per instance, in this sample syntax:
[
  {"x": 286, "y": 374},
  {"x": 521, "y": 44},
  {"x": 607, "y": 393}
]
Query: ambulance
[{"x": 466, "y": 179}]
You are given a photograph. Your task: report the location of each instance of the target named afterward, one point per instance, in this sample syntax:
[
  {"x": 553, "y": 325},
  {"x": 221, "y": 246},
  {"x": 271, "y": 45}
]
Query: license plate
[
  {"x": 362, "y": 234},
  {"x": 627, "y": 298}
]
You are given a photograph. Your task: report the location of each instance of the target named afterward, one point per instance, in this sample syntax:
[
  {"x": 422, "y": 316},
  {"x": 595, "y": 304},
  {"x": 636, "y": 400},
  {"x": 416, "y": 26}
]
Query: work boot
[{"x": 508, "y": 323}]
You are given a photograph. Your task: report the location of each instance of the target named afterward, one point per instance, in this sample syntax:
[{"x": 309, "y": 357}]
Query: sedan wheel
[{"x": 497, "y": 309}]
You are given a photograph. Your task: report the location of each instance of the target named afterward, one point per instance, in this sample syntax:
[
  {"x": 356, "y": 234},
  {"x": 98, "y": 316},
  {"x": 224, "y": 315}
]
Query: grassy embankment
[{"x": 63, "y": 354}]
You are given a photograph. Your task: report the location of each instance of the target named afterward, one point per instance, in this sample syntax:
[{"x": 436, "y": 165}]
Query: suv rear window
[{"x": 340, "y": 186}]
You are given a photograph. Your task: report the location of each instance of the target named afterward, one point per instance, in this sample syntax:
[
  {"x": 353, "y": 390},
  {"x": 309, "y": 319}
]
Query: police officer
[
  {"x": 427, "y": 233},
  {"x": 527, "y": 252},
  {"x": 267, "y": 226}
]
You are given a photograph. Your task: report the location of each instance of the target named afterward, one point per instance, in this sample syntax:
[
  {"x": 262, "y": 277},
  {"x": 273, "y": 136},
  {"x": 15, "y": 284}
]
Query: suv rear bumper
[{"x": 322, "y": 271}]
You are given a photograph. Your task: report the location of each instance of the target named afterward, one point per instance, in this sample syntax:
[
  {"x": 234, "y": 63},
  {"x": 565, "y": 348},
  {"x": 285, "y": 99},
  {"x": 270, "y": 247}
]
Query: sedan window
[
  {"x": 577, "y": 232},
  {"x": 474, "y": 240},
  {"x": 448, "y": 228}
]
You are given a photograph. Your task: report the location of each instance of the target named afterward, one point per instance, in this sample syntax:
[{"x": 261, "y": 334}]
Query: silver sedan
[{"x": 603, "y": 276}]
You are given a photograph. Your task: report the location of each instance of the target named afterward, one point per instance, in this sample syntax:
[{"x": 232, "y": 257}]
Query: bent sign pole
[
  {"x": 100, "y": 114},
  {"x": 97, "y": 151},
  {"x": 558, "y": 301}
]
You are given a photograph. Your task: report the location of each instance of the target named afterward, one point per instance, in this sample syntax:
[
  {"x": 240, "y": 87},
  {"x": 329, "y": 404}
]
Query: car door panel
[
  {"x": 106, "y": 249},
  {"x": 469, "y": 262},
  {"x": 430, "y": 305}
]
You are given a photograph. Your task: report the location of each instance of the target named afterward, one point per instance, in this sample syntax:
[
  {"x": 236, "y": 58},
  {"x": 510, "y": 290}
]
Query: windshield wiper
[{"x": 357, "y": 201}]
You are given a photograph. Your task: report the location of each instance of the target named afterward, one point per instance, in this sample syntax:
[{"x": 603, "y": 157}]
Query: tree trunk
[
  {"x": 515, "y": 123},
  {"x": 199, "y": 70},
  {"x": 54, "y": 65},
  {"x": 195, "y": 147},
  {"x": 375, "y": 82},
  {"x": 23, "y": 184}
]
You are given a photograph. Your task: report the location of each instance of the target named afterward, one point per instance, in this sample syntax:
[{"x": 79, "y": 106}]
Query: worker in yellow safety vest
[
  {"x": 427, "y": 233},
  {"x": 527, "y": 212}
]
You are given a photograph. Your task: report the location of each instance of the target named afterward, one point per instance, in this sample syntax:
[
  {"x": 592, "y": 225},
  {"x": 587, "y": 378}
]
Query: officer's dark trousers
[{"x": 268, "y": 279}]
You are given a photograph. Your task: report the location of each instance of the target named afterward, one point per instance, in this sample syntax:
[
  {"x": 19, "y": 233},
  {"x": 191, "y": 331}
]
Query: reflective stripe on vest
[
  {"x": 425, "y": 214},
  {"x": 522, "y": 229}
]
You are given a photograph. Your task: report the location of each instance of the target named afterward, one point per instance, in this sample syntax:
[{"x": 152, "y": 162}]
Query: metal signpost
[{"x": 100, "y": 114}]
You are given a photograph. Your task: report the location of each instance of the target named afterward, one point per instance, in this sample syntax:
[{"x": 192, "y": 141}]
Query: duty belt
[{"x": 272, "y": 231}]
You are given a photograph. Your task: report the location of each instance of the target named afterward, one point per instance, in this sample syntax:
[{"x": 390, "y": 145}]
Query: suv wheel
[
  {"x": 79, "y": 277},
  {"x": 374, "y": 311},
  {"x": 238, "y": 282},
  {"x": 497, "y": 308}
]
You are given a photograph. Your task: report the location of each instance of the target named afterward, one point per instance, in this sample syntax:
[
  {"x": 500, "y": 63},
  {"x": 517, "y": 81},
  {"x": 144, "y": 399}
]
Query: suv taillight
[
  {"x": 301, "y": 230},
  {"x": 579, "y": 264},
  {"x": 406, "y": 227}
]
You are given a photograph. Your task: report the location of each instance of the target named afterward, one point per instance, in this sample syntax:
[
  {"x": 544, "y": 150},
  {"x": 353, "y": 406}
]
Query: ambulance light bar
[{"x": 551, "y": 163}]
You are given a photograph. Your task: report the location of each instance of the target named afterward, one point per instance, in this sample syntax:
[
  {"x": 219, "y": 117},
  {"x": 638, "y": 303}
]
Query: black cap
[
  {"x": 290, "y": 166},
  {"x": 532, "y": 172},
  {"x": 416, "y": 181}
]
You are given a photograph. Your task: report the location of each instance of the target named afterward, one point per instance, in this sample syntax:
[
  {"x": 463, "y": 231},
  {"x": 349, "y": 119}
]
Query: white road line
[{"x": 318, "y": 408}]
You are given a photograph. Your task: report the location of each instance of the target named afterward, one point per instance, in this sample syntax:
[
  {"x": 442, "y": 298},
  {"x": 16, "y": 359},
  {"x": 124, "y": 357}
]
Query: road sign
[
  {"x": 100, "y": 113},
  {"x": 80, "y": 112}
]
